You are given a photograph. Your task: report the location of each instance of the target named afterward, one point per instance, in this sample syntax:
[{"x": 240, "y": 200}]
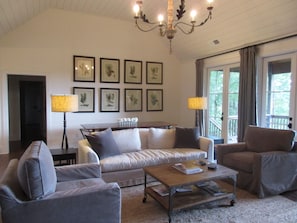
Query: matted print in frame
[
  {"x": 83, "y": 69},
  {"x": 154, "y": 99},
  {"x": 86, "y": 98},
  {"x": 109, "y": 99},
  {"x": 109, "y": 70},
  {"x": 133, "y": 71},
  {"x": 133, "y": 99},
  {"x": 154, "y": 73}
]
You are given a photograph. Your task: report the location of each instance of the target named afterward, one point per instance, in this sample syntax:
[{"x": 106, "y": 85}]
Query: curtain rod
[{"x": 259, "y": 44}]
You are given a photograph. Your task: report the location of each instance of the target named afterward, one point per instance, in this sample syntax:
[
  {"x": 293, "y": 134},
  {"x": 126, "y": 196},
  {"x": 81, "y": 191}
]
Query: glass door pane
[
  {"x": 278, "y": 94},
  {"x": 215, "y": 103}
]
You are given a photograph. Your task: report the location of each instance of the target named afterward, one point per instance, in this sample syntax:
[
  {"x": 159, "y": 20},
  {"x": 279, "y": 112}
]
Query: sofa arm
[
  {"x": 78, "y": 171},
  {"x": 207, "y": 145},
  {"x": 85, "y": 153},
  {"x": 94, "y": 204},
  {"x": 223, "y": 149},
  {"x": 275, "y": 172}
]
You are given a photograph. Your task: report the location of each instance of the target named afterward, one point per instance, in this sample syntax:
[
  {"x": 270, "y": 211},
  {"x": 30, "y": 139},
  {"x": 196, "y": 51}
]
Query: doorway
[{"x": 27, "y": 110}]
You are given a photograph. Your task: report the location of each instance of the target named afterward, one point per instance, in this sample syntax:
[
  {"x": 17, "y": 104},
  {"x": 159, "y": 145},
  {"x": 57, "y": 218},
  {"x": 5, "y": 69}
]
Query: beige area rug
[{"x": 247, "y": 209}]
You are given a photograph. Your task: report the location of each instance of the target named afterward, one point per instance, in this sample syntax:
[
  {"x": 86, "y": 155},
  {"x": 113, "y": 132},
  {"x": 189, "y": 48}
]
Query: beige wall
[{"x": 45, "y": 46}]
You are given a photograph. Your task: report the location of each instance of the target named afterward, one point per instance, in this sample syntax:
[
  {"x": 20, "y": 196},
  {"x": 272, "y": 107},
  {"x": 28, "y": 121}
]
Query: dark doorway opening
[{"x": 27, "y": 110}]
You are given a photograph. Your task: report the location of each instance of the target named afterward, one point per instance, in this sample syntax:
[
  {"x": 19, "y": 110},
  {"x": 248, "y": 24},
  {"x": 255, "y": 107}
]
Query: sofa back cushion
[
  {"x": 143, "y": 134},
  {"x": 128, "y": 140},
  {"x": 36, "y": 171},
  {"x": 260, "y": 139},
  {"x": 161, "y": 138}
]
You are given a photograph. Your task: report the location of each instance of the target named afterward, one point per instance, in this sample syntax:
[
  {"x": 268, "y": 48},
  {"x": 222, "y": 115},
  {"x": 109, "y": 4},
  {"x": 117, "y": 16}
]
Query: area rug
[{"x": 247, "y": 209}]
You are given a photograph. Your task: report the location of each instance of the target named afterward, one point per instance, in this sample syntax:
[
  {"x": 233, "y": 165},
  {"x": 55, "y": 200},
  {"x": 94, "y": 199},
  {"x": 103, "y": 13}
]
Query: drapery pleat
[
  {"x": 199, "y": 93},
  {"x": 247, "y": 91}
]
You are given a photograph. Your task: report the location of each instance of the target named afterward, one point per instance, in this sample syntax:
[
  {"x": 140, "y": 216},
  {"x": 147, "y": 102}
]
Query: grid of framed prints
[{"x": 109, "y": 73}]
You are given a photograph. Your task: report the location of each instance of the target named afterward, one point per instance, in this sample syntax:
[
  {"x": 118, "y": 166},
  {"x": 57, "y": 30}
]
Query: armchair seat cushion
[{"x": 242, "y": 161}]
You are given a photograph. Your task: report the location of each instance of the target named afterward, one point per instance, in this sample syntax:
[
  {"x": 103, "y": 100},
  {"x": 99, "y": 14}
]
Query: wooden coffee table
[{"x": 172, "y": 179}]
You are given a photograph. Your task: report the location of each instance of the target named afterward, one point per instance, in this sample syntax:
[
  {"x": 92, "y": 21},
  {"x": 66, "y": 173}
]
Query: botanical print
[
  {"x": 109, "y": 99},
  {"x": 133, "y": 72},
  {"x": 155, "y": 100},
  {"x": 154, "y": 72},
  {"x": 109, "y": 70},
  {"x": 133, "y": 99},
  {"x": 84, "y": 68},
  {"x": 85, "y": 99}
]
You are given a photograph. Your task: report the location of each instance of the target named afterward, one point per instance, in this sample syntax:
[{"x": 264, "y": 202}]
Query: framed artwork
[
  {"x": 109, "y": 70},
  {"x": 84, "y": 69},
  {"x": 154, "y": 99},
  {"x": 154, "y": 73},
  {"x": 86, "y": 98},
  {"x": 133, "y": 71},
  {"x": 109, "y": 99},
  {"x": 133, "y": 99}
]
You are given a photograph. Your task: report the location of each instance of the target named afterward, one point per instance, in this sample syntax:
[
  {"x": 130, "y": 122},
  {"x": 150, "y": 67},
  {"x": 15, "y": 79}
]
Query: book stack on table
[{"x": 188, "y": 167}]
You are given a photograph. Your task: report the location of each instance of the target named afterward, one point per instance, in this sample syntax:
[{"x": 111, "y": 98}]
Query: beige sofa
[{"x": 140, "y": 147}]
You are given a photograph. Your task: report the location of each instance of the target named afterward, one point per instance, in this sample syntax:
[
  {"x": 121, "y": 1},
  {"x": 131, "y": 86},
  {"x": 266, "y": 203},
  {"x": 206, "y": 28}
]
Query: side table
[{"x": 63, "y": 156}]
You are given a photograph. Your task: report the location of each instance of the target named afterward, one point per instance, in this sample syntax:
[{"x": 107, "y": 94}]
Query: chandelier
[{"x": 170, "y": 27}]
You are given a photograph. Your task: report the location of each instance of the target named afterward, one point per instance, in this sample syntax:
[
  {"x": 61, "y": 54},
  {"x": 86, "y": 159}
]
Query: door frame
[{"x": 13, "y": 80}]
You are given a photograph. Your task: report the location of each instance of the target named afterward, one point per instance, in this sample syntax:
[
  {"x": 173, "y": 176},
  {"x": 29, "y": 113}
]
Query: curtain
[
  {"x": 199, "y": 93},
  {"x": 247, "y": 91}
]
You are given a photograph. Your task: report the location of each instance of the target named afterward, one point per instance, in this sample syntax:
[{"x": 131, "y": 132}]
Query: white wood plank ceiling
[{"x": 235, "y": 23}]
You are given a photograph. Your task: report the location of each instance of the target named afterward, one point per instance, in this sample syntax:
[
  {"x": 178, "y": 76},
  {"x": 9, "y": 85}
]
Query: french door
[
  {"x": 222, "y": 112},
  {"x": 279, "y": 91}
]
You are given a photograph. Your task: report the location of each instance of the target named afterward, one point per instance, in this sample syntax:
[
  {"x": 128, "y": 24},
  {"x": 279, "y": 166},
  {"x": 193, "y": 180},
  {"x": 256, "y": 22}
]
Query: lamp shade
[
  {"x": 64, "y": 103},
  {"x": 197, "y": 103}
]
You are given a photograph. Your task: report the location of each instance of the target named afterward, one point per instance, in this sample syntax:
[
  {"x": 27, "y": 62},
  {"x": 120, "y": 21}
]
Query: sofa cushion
[
  {"x": 161, "y": 138},
  {"x": 103, "y": 143},
  {"x": 186, "y": 137},
  {"x": 260, "y": 139},
  {"x": 143, "y": 133},
  {"x": 149, "y": 157},
  {"x": 128, "y": 140},
  {"x": 36, "y": 172}
]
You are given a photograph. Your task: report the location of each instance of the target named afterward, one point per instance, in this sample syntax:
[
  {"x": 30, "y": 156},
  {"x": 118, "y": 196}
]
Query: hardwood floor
[{"x": 16, "y": 151}]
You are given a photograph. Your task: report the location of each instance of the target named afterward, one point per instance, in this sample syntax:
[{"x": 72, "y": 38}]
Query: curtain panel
[
  {"x": 247, "y": 90},
  {"x": 199, "y": 117}
]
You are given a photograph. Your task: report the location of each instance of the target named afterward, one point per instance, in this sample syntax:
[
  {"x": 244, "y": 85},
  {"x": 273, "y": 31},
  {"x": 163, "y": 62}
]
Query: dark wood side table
[{"x": 63, "y": 156}]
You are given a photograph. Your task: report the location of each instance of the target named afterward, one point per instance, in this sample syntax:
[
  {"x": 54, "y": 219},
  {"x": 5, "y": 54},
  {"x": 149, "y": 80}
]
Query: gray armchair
[
  {"x": 33, "y": 190},
  {"x": 266, "y": 161}
]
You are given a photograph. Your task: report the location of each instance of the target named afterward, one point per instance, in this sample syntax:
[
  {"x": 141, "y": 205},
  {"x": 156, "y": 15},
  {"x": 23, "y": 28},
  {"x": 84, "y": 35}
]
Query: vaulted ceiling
[{"x": 235, "y": 23}]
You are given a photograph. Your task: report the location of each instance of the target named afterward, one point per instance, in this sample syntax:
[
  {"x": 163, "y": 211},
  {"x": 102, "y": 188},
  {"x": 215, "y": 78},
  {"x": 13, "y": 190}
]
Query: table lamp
[
  {"x": 64, "y": 103},
  {"x": 198, "y": 103}
]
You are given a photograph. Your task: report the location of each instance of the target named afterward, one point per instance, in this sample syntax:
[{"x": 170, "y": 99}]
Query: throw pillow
[
  {"x": 36, "y": 171},
  {"x": 103, "y": 144},
  {"x": 161, "y": 138},
  {"x": 186, "y": 137},
  {"x": 128, "y": 140}
]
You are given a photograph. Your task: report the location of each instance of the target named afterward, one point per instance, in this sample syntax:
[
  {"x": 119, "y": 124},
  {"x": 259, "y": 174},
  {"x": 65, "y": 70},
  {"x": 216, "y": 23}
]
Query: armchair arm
[
  {"x": 78, "y": 171},
  {"x": 94, "y": 204},
  {"x": 223, "y": 149},
  {"x": 207, "y": 145},
  {"x": 275, "y": 172}
]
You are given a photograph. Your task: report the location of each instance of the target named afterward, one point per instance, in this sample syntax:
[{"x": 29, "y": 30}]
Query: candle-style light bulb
[
  {"x": 160, "y": 19},
  {"x": 193, "y": 15},
  {"x": 136, "y": 9}
]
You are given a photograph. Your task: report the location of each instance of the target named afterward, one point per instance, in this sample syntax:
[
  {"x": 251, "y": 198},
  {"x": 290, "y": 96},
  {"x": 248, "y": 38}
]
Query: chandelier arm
[{"x": 146, "y": 30}]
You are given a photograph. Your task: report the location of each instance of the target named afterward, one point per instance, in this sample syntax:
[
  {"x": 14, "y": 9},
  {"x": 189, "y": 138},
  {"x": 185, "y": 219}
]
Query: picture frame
[
  {"x": 154, "y": 99},
  {"x": 109, "y": 70},
  {"x": 86, "y": 99},
  {"x": 133, "y": 71},
  {"x": 133, "y": 100},
  {"x": 109, "y": 99},
  {"x": 83, "y": 68},
  {"x": 154, "y": 72}
]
